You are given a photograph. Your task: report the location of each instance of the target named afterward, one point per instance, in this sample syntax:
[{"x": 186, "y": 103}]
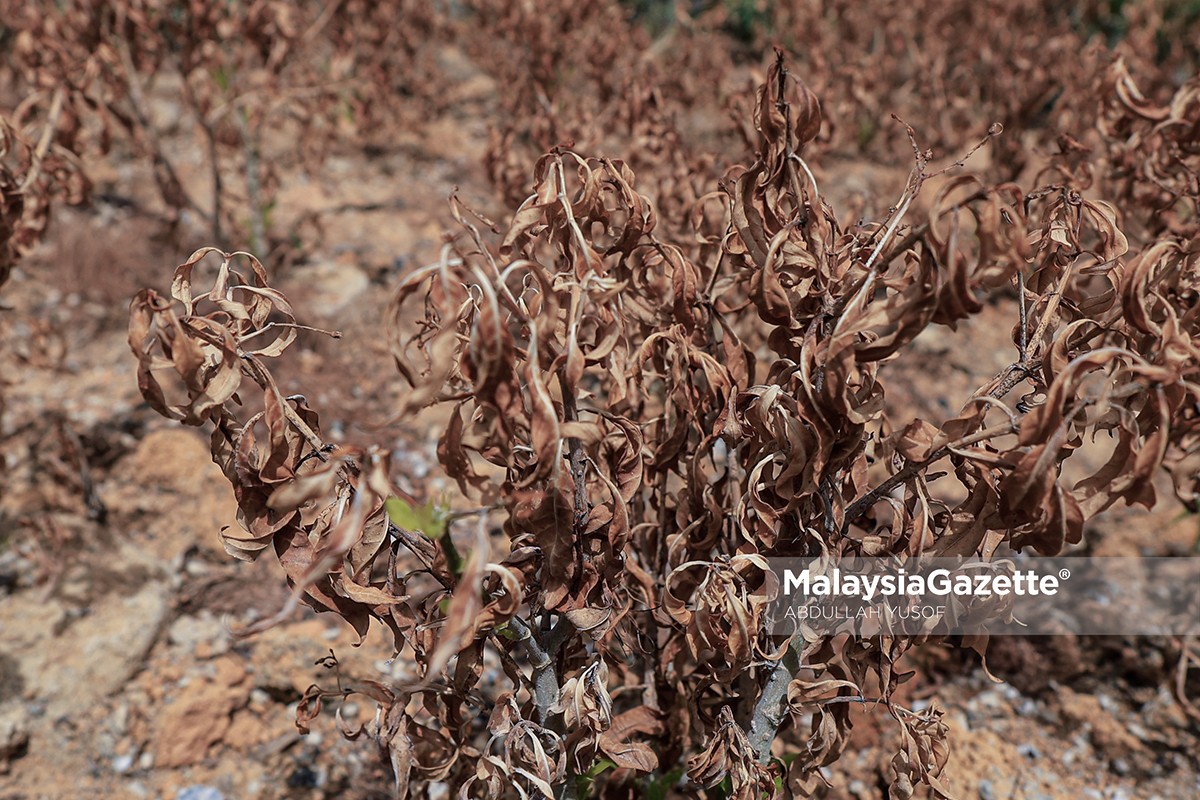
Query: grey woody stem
[{"x": 772, "y": 703}]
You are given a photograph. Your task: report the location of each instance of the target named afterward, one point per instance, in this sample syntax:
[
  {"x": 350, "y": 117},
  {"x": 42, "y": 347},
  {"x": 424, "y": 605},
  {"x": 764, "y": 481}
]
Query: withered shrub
[
  {"x": 233, "y": 73},
  {"x": 652, "y": 390},
  {"x": 33, "y": 175}
]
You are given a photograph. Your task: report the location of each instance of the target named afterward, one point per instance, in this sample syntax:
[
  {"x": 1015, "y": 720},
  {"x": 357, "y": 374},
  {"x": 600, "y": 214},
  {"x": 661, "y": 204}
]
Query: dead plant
[{"x": 645, "y": 416}]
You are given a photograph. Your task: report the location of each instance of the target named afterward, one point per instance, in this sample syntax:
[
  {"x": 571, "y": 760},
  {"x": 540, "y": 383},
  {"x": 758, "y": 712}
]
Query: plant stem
[
  {"x": 170, "y": 188},
  {"x": 545, "y": 678},
  {"x": 47, "y": 137},
  {"x": 258, "y": 234},
  {"x": 769, "y": 711},
  {"x": 910, "y": 470},
  {"x": 454, "y": 560},
  {"x": 578, "y": 461}
]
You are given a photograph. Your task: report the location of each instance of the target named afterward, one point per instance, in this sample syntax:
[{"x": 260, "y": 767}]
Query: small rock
[
  {"x": 986, "y": 791},
  {"x": 200, "y": 792},
  {"x": 196, "y": 568},
  {"x": 1029, "y": 751},
  {"x": 118, "y": 721},
  {"x": 1048, "y": 715},
  {"x": 14, "y": 738},
  {"x": 1139, "y": 732},
  {"x": 196, "y": 719},
  {"x": 305, "y": 777},
  {"x": 328, "y": 287},
  {"x": 203, "y": 629},
  {"x": 1011, "y": 693},
  {"x": 122, "y": 764},
  {"x": 982, "y": 707},
  {"x": 94, "y": 656}
]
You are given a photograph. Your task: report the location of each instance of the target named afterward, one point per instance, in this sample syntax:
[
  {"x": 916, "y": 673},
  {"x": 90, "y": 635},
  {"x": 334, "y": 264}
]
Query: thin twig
[
  {"x": 97, "y": 511},
  {"x": 250, "y": 141},
  {"x": 214, "y": 162},
  {"x": 265, "y": 380},
  {"x": 1016, "y": 374},
  {"x": 1023, "y": 341},
  {"x": 296, "y": 326},
  {"x": 43, "y": 145},
  {"x": 414, "y": 544},
  {"x": 912, "y": 468},
  {"x": 169, "y": 186},
  {"x": 919, "y": 231},
  {"x": 578, "y": 461}
]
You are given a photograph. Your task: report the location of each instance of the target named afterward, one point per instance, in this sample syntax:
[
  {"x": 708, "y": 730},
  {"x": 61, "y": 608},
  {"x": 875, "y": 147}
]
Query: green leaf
[
  {"x": 1182, "y": 515},
  {"x": 220, "y": 76},
  {"x": 660, "y": 785},
  {"x": 583, "y": 783},
  {"x": 429, "y": 519}
]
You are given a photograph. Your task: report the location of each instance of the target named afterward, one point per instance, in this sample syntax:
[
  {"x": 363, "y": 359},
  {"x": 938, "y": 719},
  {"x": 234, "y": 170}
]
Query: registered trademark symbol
[{"x": 1064, "y": 573}]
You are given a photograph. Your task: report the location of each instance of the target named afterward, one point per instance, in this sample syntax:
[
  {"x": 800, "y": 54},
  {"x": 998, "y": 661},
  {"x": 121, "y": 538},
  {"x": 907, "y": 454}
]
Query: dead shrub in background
[
  {"x": 33, "y": 174},
  {"x": 325, "y": 71}
]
